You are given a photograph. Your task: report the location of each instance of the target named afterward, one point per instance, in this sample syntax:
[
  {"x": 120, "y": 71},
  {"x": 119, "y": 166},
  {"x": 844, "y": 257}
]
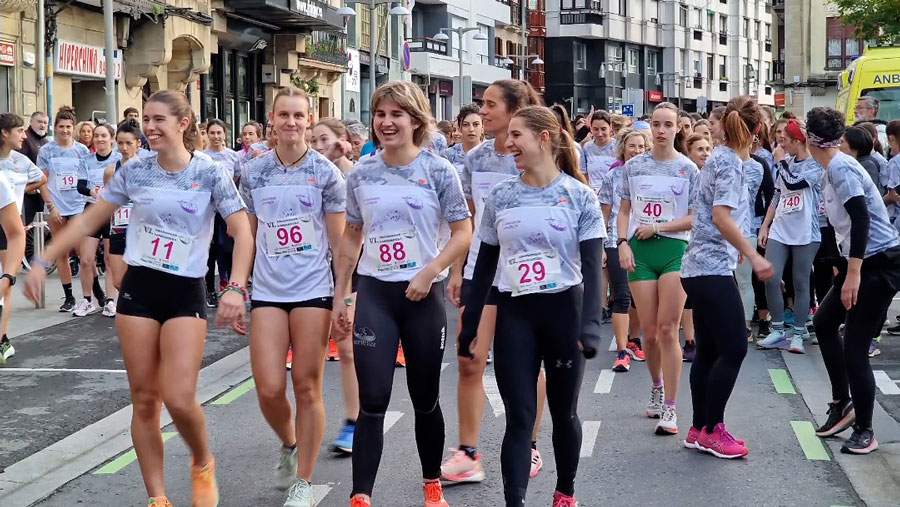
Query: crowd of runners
[{"x": 732, "y": 229}]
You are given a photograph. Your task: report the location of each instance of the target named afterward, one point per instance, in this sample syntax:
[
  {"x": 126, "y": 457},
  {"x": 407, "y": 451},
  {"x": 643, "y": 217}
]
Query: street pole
[
  {"x": 460, "y": 92},
  {"x": 373, "y": 61},
  {"x": 110, "y": 50},
  {"x": 524, "y": 41}
]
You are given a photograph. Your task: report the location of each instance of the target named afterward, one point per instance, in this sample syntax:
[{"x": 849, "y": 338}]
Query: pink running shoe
[
  {"x": 434, "y": 495},
  {"x": 561, "y": 500},
  {"x": 536, "y": 464},
  {"x": 721, "y": 444},
  {"x": 459, "y": 467},
  {"x": 691, "y": 441}
]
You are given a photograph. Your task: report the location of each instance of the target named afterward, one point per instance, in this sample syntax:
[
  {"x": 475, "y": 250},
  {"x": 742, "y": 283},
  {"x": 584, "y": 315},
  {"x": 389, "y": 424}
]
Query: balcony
[
  {"x": 778, "y": 5},
  {"x": 537, "y": 24},
  {"x": 778, "y": 70},
  {"x": 427, "y": 45},
  {"x": 537, "y": 80},
  {"x": 587, "y": 13},
  {"x": 327, "y": 47}
]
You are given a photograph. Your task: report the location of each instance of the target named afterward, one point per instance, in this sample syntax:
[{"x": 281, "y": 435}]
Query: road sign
[{"x": 628, "y": 109}]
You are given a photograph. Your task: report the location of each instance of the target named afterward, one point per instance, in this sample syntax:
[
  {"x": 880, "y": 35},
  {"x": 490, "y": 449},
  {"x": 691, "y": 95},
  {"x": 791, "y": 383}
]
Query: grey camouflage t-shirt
[{"x": 484, "y": 158}]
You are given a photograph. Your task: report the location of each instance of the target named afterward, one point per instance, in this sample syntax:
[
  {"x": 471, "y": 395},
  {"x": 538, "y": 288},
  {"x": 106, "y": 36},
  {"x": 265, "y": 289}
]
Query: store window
[
  {"x": 5, "y": 88},
  {"x": 580, "y": 56}
]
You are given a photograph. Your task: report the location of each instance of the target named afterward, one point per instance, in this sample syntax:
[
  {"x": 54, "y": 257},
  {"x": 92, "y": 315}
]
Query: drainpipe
[{"x": 110, "y": 50}]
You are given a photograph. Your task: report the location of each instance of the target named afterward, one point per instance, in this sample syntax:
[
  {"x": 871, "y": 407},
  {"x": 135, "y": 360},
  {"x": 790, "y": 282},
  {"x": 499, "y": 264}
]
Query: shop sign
[
  {"x": 80, "y": 60},
  {"x": 309, "y": 8},
  {"x": 352, "y": 83},
  {"x": 7, "y": 54},
  {"x": 779, "y": 100},
  {"x": 654, "y": 96}
]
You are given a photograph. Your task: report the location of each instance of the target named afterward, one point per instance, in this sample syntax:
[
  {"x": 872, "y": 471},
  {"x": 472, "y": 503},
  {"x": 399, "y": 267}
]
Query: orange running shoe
[
  {"x": 401, "y": 359},
  {"x": 290, "y": 358},
  {"x": 434, "y": 495},
  {"x": 206, "y": 491},
  {"x": 332, "y": 351},
  {"x": 360, "y": 501},
  {"x": 159, "y": 501}
]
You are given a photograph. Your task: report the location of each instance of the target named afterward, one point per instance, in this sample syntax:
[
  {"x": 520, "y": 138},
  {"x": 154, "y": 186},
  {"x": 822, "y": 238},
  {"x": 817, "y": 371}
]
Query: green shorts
[{"x": 655, "y": 257}]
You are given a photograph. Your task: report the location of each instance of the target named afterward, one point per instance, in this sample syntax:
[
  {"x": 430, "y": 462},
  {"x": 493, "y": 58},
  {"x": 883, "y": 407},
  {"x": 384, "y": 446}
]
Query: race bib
[
  {"x": 122, "y": 216},
  {"x": 66, "y": 181},
  {"x": 652, "y": 210},
  {"x": 822, "y": 207},
  {"x": 290, "y": 236},
  {"x": 531, "y": 272},
  {"x": 792, "y": 202},
  {"x": 163, "y": 249},
  {"x": 394, "y": 252}
]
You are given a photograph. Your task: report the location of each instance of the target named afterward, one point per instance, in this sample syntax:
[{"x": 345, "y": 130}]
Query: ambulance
[{"x": 875, "y": 74}]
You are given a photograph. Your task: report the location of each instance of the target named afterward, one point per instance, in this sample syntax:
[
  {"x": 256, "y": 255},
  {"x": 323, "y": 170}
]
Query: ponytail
[
  {"x": 742, "y": 121},
  {"x": 566, "y": 156}
]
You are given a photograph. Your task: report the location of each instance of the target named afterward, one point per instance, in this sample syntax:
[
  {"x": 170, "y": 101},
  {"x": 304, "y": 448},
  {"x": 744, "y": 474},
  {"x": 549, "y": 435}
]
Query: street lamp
[
  {"x": 537, "y": 61},
  {"x": 347, "y": 11},
  {"x": 442, "y": 36}
]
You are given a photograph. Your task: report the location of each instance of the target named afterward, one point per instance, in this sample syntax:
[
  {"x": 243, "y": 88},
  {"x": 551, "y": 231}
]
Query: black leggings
[
  {"x": 847, "y": 360},
  {"x": 384, "y": 319},
  {"x": 618, "y": 282},
  {"x": 524, "y": 338},
  {"x": 824, "y": 263},
  {"x": 721, "y": 336},
  {"x": 759, "y": 287}
]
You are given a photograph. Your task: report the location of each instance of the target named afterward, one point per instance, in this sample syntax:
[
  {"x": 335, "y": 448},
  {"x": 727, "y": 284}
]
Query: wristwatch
[
  {"x": 12, "y": 279},
  {"x": 620, "y": 241}
]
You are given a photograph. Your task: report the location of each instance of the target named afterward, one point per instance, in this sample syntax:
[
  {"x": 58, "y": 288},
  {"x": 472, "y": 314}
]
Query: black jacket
[{"x": 32, "y": 144}]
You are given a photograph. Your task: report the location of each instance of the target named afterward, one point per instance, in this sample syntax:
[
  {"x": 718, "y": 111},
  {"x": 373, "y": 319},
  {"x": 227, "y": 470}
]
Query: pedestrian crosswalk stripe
[
  {"x": 444, "y": 365},
  {"x": 782, "y": 381},
  {"x": 884, "y": 383},
  {"x": 493, "y": 395},
  {"x": 612, "y": 345},
  {"x": 126, "y": 459},
  {"x": 809, "y": 442},
  {"x": 390, "y": 419},
  {"x": 235, "y": 393},
  {"x": 319, "y": 492},
  {"x": 589, "y": 432},
  {"x": 604, "y": 382}
]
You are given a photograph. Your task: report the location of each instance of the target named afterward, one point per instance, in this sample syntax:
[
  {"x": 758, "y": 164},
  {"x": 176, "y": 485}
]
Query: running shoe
[
  {"x": 561, "y": 500},
  {"x": 788, "y": 317},
  {"x": 159, "y": 501},
  {"x": 205, "y": 489},
  {"x": 400, "y": 362},
  {"x": 212, "y": 300},
  {"x": 109, "y": 309},
  {"x": 657, "y": 398},
  {"x": 344, "y": 441},
  {"x": 841, "y": 416},
  {"x": 6, "y": 351},
  {"x": 536, "y": 463},
  {"x": 68, "y": 305},
  {"x": 721, "y": 444},
  {"x": 862, "y": 441},
  {"x": 623, "y": 362},
  {"x": 690, "y": 441},
  {"x": 764, "y": 329},
  {"x": 459, "y": 467},
  {"x": 668, "y": 422},
  {"x": 797, "y": 344},
  {"x": 286, "y": 469},
  {"x": 775, "y": 340},
  {"x": 635, "y": 351},
  {"x": 434, "y": 495},
  {"x": 289, "y": 363},
  {"x": 300, "y": 495},
  {"x": 84, "y": 308},
  {"x": 360, "y": 501},
  {"x": 607, "y": 316},
  {"x": 874, "y": 350},
  {"x": 332, "y": 351},
  {"x": 688, "y": 352}
]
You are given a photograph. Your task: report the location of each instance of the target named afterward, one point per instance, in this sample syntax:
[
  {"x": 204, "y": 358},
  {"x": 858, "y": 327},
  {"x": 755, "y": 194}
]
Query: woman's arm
[
  {"x": 460, "y": 239},
  {"x": 347, "y": 255}
]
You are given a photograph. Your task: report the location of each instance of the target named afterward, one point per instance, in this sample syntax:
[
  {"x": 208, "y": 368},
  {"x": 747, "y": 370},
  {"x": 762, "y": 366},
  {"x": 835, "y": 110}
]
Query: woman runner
[
  {"x": 471, "y": 131},
  {"x": 128, "y": 138}
]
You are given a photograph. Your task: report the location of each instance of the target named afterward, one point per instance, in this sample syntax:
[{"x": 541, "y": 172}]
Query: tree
[{"x": 877, "y": 20}]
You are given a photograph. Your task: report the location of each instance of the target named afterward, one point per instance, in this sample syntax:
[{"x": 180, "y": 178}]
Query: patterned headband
[{"x": 819, "y": 142}]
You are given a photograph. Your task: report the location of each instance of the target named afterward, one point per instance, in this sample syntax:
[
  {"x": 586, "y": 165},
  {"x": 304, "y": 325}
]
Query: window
[
  {"x": 580, "y": 56},
  {"x": 614, "y": 53},
  {"x": 768, "y": 31},
  {"x": 697, "y": 18},
  {"x": 652, "y": 59},
  {"x": 747, "y": 27},
  {"x": 723, "y": 67},
  {"x": 682, "y": 14},
  {"x": 366, "y": 28},
  {"x": 756, "y": 30},
  {"x": 623, "y": 7},
  {"x": 5, "y": 104},
  {"x": 698, "y": 68},
  {"x": 711, "y": 21},
  {"x": 709, "y": 67},
  {"x": 458, "y": 45},
  {"x": 852, "y": 47},
  {"x": 768, "y": 68},
  {"x": 842, "y": 46},
  {"x": 723, "y": 23},
  {"x": 481, "y": 47},
  {"x": 633, "y": 59}
]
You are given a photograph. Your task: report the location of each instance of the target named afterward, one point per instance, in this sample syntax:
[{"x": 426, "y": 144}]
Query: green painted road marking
[
  {"x": 124, "y": 460},
  {"x": 782, "y": 381},
  {"x": 237, "y": 392},
  {"x": 811, "y": 444}
]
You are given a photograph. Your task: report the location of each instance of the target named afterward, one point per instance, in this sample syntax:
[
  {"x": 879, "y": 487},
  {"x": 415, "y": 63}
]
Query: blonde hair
[
  {"x": 539, "y": 119},
  {"x": 696, "y": 138},
  {"x": 290, "y": 91},
  {"x": 411, "y": 99},
  {"x": 623, "y": 137},
  {"x": 180, "y": 108},
  {"x": 334, "y": 125},
  {"x": 80, "y": 125}
]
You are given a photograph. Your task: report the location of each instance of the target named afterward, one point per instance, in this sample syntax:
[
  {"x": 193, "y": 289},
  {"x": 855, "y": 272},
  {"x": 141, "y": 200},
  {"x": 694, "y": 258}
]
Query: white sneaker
[
  {"x": 84, "y": 308},
  {"x": 655, "y": 407},
  {"x": 300, "y": 495},
  {"x": 668, "y": 422},
  {"x": 286, "y": 470},
  {"x": 536, "y": 463},
  {"x": 109, "y": 309}
]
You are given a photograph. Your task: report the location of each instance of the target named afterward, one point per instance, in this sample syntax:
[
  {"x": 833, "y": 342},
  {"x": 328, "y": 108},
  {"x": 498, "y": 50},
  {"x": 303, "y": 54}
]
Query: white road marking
[
  {"x": 58, "y": 370},
  {"x": 444, "y": 365},
  {"x": 319, "y": 492},
  {"x": 589, "y": 432},
  {"x": 885, "y": 384},
  {"x": 493, "y": 394},
  {"x": 390, "y": 419},
  {"x": 612, "y": 345},
  {"x": 604, "y": 382}
]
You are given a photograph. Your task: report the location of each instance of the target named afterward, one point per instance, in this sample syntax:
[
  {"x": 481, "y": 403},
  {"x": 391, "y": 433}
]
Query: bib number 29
[{"x": 535, "y": 269}]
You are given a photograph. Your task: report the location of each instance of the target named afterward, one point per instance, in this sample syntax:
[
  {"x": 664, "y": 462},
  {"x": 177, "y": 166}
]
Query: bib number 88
[{"x": 393, "y": 252}]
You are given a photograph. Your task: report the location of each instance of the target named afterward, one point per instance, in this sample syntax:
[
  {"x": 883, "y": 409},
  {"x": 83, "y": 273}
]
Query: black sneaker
[
  {"x": 689, "y": 352},
  {"x": 840, "y": 417},
  {"x": 862, "y": 441},
  {"x": 607, "y": 316},
  {"x": 764, "y": 329},
  {"x": 894, "y": 330},
  {"x": 68, "y": 305},
  {"x": 212, "y": 300}
]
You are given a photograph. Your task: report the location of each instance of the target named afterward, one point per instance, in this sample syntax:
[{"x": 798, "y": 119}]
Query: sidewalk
[{"x": 26, "y": 318}]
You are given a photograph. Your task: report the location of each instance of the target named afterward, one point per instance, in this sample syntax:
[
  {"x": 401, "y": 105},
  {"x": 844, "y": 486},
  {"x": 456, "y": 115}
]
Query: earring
[{"x": 542, "y": 147}]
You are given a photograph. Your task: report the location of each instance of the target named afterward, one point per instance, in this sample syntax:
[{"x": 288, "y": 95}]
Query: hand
[
  {"x": 740, "y": 258},
  {"x": 850, "y": 290},
  {"x": 239, "y": 328},
  {"x": 34, "y": 283},
  {"x": 420, "y": 286},
  {"x": 644, "y": 232},
  {"x": 55, "y": 215},
  {"x": 778, "y": 153},
  {"x": 626, "y": 257},
  {"x": 762, "y": 267},
  {"x": 232, "y": 310},
  {"x": 340, "y": 322},
  {"x": 95, "y": 194},
  {"x": 590, "y": 116},
  {"x": 454, "y": 289},
  {"x": 603, "y": 259},
  {"x": 763, "y": 236},
  {"x": 579, "y": 124}
]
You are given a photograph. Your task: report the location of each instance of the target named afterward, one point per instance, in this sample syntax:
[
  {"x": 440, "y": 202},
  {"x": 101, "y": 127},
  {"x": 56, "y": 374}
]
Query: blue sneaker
[
  {"x": 775, "y": 340},
  {"x": 788, "y": 317},
  {"x": 344, "y": 442}
]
